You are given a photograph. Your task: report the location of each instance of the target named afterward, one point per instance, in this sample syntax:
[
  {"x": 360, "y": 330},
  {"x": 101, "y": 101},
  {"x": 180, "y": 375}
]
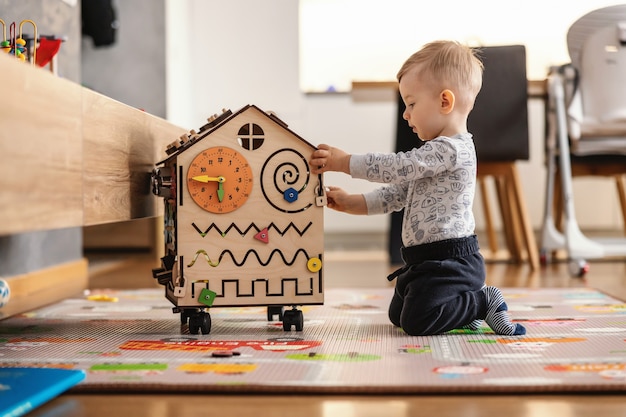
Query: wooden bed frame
[{"x": 71, "y": 158}]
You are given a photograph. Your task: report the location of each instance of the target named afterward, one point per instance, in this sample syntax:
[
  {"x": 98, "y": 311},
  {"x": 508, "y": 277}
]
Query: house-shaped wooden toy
[{"x": 243, "y": 219}]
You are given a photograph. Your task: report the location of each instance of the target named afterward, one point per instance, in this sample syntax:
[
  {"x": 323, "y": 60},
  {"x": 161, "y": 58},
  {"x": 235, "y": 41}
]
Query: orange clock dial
[{"x": 219, "y": 180}]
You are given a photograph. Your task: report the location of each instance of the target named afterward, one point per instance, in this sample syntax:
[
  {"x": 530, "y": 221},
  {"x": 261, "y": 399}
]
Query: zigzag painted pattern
[{"x": 251, "y": 226}]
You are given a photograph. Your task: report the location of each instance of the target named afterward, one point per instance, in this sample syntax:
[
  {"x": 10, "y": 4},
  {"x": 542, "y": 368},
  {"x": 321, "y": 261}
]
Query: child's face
[{"x": 423, "y": 106}]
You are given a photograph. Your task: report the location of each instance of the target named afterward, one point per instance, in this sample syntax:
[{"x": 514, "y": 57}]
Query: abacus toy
[{"x": 15, "y": 45}]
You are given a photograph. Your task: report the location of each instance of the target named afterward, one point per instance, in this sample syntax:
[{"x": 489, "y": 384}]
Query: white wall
[
  {"x": 229, "y": 54},
  {"x": 130, "y": 70},
  {"x": 373, "y": 46}
]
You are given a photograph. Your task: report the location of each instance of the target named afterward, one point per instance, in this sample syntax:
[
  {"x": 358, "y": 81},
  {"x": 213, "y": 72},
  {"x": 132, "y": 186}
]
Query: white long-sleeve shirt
[{"x": 435, "y": 184}]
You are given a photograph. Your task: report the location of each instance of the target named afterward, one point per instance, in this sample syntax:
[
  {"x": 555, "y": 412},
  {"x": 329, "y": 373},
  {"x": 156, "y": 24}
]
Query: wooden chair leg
[
  {"x": 620, "y": 182},
  {"x": 491, "y": 232},
  {"x": 523, "y": 219},
  {"x": 510, "y": 234},
  {"x": 517, "y": 229}
]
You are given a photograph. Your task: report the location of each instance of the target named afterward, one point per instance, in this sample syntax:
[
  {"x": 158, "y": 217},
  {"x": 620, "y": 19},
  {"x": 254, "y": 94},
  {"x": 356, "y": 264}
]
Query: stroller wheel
[{"x": 578, "y": 268}]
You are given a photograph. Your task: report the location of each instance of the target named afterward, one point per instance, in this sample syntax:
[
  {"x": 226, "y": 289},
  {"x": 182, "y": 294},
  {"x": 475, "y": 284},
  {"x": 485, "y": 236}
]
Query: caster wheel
[
  {"x": 205, "y": 323},
  {"x": 578, "y": 268},
  {"x": 293, "y": 318},
  {"x": 200, "y": 322},
  {"x": 275, "y": 311},
  {"x": 184, "y": 316},
  {"x": 194, "y": 324}
]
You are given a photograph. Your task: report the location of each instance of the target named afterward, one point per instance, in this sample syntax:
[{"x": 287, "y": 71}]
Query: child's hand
[
  {"x": 338, "y": 199},
  {"x": 327, "y": 158}
]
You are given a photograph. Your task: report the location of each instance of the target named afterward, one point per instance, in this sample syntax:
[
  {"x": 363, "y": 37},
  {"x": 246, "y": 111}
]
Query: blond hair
[{"x": 448, "y": 64}]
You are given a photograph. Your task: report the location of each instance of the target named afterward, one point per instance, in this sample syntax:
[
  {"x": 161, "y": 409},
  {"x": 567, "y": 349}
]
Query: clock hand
[
  {"x": 220, "y": 183},
  {"x": 206, "y": 178},
  {"x": 220, "y": 191}
]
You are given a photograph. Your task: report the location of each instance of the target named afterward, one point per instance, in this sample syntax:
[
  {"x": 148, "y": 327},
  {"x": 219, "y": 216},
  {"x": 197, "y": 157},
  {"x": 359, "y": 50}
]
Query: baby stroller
[{"x": 586, "y": 118}]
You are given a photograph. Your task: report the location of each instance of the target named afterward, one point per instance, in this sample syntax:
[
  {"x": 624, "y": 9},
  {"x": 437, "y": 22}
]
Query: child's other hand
[
  {"x": 327, "y": 158},
  {"x": 338, "y": 199}
]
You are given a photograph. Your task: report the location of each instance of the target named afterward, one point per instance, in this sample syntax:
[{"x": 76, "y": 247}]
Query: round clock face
[{"x": 219, "y": 180}]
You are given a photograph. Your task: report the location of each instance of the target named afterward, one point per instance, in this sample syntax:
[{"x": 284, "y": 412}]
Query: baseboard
[{"x": 45, "y": 286}]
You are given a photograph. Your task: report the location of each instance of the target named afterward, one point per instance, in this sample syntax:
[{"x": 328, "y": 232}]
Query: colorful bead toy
[{"x": 15, "y": 45}]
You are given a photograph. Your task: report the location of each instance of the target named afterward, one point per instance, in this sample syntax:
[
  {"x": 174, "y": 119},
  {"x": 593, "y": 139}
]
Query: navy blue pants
[{"x": 439, "y": 288}]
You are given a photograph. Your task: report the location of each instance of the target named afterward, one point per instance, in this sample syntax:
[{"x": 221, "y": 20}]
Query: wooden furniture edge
[
  {"x": 71, "y": 156},
  {"x": 121, "y": 145},
  {"x": 40, "y": 150}
]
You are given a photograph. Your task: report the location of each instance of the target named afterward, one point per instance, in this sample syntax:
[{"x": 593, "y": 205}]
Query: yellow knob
[{"x": 314, "y": 264}]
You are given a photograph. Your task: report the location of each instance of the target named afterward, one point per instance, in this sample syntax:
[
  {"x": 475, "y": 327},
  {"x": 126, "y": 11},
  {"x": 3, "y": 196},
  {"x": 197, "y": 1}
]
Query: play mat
[{"x": 130, "y": 341}]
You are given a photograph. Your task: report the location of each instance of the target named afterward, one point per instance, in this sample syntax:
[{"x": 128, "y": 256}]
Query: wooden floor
[{"x": 356, "y": 268}]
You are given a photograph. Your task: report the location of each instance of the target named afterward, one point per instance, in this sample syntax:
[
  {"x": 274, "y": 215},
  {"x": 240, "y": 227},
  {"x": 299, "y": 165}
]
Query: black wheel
[
  {"x": 273, "y": 311},
  {"x": 298, "y": 320},
  {"x": 205, "y": 323},
  {"x": 293, "y": 318},
  {"x": 184, "y": 316},
  {"x": 287, "y": 320},
  {"x": 200, "y": 322},
  {"x": 195, "y": 321}
]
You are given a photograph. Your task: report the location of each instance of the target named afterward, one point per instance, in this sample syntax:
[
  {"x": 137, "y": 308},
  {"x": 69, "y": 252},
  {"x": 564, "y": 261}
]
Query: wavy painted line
[
  {"x": 206, "y": 256},
  {"x": 256, "y": 228},
  {"x": 245, "y": 258}
]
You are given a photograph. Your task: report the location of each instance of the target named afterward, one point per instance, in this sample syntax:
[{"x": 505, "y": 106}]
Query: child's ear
[{"x": 447, "y": 101}]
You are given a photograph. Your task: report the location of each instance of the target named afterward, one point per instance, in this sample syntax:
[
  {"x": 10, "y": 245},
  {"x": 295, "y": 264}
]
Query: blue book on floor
[{"x": 23, "y": 389}]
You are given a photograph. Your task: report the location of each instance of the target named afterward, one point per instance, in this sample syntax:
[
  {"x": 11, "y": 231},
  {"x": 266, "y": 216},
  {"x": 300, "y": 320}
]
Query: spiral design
[{"x": 283, "y": 170}]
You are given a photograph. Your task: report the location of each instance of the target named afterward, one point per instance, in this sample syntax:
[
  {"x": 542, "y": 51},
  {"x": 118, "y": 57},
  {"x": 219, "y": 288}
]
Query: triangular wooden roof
[{"x": 222, "y": 120}]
